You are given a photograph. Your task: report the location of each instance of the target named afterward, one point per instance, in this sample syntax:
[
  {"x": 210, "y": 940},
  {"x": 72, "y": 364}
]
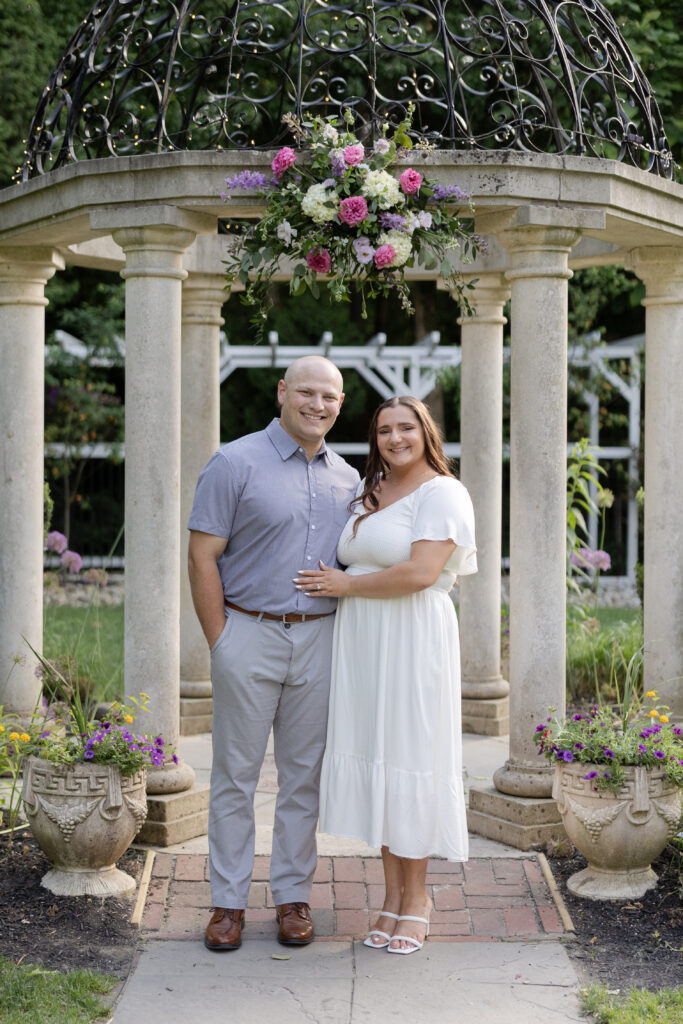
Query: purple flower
[
  {"x": 677, "y": 731},
  {"x": 606, "y": 775},
  {"x": 591, "y": 775},
  {"x": 89, "y": 754},
  {"x": 582, "y": 558},
  {"x": 642, "y": 748},
  {"x": 440, "y": 191},
  {"x": 392, "y": 221},
  {"x": 159, "y": 741},
  {"x": 578, "y": 718},
  {"x": 567, "y": 755},
  {"x": 56, "y": 541},
  {"x": 246, "y": 179},
  {"x": 175, "y": 759},
  {"x": 607, "y": 752},
  {"x": 601, "y": 560},
  {"x": 73, "y": 561},
  {"x": 579, "y": 746},
  {"x": 660, "y": 754},
  {"x": 540, "y": 728}
]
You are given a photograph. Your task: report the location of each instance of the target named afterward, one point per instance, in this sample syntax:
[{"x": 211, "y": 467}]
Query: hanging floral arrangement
[{"x": 335, "y": 210}]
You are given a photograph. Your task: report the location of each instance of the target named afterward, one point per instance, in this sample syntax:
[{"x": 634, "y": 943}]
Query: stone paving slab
[
  {"x": 485, "y": 899},
  {"x": 346, "y": 983}
]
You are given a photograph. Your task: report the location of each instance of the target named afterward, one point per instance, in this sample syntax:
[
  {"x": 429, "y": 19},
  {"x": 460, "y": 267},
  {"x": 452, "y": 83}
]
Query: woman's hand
[{"x": 323, "y": 582}]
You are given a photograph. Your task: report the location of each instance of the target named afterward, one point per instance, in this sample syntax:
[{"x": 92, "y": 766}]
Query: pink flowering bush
[
  {"x": 56, "y": 542},
  {"x": 334, "y": 207}
]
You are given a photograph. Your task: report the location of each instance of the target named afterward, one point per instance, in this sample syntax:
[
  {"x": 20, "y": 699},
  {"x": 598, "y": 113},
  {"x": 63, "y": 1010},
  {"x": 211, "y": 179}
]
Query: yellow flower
[
  {"x": 24, "y": 738},
  {"x": 128, "y": 718},
  {"x": 651, "y": 693},
  {"x": 654, "y": 713},
  {"x": 143, "y": 694},
  {"x": 14, "y": 735},
  {"x": 663, "y": 718},
  {"x": 2, "y": 728}
]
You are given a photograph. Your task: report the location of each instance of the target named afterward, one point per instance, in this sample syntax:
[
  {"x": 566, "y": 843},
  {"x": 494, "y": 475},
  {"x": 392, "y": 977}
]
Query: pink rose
[
  {"x": 319, "y": 260},
  {"x": 384, "y": 256},
  {"x": 284, "y": 159},
  {"x": 353, "y": 210},
  {"x": 353, "y": 154},
  {"x": 410, "y": 181}
]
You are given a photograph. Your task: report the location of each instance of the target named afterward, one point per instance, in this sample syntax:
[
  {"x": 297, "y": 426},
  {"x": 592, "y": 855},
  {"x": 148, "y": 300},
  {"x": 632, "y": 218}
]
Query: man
[{"x": 267, "y": 506}]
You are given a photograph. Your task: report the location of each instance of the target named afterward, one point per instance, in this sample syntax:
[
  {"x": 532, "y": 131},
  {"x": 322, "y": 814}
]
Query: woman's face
[{"x": 400, "y": 438}]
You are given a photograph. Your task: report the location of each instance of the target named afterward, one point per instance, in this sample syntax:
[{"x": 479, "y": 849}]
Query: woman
[{"x": 392, "y": 772}]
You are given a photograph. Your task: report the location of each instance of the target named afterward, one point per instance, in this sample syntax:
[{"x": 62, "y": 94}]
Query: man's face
[{"x": 310, "y": 403}]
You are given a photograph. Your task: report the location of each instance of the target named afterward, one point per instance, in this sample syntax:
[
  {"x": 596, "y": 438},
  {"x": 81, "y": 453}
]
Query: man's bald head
[{"x": 316, "y": 364}]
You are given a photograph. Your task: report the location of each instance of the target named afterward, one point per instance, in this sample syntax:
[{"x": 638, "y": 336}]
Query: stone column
[
  {"x": 538, "y": 251},
  {"x": 485, "y": 706},
  {"x": 203, "y": 296},
  {"x": 23, "y": 276},
  {"x": 661, "y": 269},
  {"x": 153, "y": 276}
]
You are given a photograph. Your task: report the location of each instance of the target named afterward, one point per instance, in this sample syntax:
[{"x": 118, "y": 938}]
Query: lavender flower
[
  {"x": 381, "y": 147},
  {"x": 440, "y": 192},
  {"x": 392, "y": 221},
  {"x": 246, "y": 179},
  {"x": 591, "y": 775}
]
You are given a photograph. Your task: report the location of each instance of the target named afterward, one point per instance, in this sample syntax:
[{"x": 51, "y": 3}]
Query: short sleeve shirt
[{"x": 279, "y": 513}]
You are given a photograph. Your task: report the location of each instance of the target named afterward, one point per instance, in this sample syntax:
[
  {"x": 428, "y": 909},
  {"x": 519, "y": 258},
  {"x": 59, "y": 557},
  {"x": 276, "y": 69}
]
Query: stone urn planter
[
  {"x": 619, "y": 834},
  {"x": 84, "y": 817}
]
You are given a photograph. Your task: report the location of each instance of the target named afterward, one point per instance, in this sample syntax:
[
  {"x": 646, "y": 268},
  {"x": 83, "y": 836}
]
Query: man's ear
[
  {"x": 341, "y": 399},
  {"x": 281, "y": 387}
]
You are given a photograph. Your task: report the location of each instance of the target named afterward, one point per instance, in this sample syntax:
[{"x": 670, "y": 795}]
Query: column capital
[
  {"x": 203, "y": 297},
  {"x": 154, "y": 250},
  {"x": 24, "y": 272},
  {"x": 660, "y": 267},
  {"x": 488, "y": 296}
]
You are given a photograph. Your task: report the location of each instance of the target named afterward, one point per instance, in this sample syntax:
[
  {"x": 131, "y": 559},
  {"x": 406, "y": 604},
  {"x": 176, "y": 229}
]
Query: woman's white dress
[{"x": 392, "y": 772}]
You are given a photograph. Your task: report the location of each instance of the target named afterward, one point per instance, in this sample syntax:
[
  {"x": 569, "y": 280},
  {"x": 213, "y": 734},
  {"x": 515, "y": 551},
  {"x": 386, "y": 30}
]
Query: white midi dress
[{"x": 392, "y": 771}]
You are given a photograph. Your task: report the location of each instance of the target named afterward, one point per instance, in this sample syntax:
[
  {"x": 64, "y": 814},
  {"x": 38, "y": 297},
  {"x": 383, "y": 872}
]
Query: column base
[
  {"x": 523, "y": 779},
  {"x": 169, "y": 778},
  {"x": 195, "y": 688},
  {"x": 485, "y": 689},
  {"x": 196, "y": 715},
  {"x": 527, "y": 823},
  {"x": 486, "y": 717},
  {"x": 176, "y": 817}
]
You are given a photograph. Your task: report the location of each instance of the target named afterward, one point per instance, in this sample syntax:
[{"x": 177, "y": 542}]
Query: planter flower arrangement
[
  {"x": 84, "y": 787},
  {"x": 335, "y": 210},
  {"x": 617, "y": 783},
  {"x": 609, "y": 742}
]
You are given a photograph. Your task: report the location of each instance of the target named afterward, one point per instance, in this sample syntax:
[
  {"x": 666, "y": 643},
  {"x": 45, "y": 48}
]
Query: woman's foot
[
  {"x": 382, "y": 930},
  {"x": 412, "y": 933}
]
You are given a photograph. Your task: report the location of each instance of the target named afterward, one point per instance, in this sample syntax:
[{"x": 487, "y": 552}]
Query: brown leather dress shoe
[
  {"x": 224, "y": 930},
  {"x": 296, "y": 924}
]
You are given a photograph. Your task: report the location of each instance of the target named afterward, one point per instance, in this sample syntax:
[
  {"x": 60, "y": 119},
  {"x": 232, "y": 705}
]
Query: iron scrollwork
[{"x": 536, "y": 76}]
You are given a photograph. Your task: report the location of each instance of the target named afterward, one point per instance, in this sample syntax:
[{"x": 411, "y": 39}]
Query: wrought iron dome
[{"x": 537, "y": 76}]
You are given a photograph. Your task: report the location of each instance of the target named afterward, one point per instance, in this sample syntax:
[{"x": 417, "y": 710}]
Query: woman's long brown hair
[{"x": 376, "y": 467}]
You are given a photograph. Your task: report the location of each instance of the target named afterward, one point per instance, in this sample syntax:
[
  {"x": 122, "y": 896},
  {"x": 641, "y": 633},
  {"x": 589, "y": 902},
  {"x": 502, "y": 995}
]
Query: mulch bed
[
  {"x": 627, "y": 944},
  {"x": 621, "y": 944},
  {"x": 62, "y": 932}
]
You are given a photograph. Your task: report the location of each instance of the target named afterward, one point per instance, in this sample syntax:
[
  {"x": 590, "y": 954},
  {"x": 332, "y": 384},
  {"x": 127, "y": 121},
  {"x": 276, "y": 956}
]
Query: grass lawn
[
  {"x": 29, "y": 994},
  {"x": 93, "y": 637},
  {"x": 636, "y": 1007}
]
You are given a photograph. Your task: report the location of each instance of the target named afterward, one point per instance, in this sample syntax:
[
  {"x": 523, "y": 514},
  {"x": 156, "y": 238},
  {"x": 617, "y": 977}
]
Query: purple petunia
[
  {"x": 577, "y": 718},
  {"x": 607, "y": 752},
  {"x": 567, "y": 755},
  {"x": 591, "y": 775},
  {"x": 660, "y": 754},
  {"x": 642, "y": 748},
  {"x": 88, "y": 755}
]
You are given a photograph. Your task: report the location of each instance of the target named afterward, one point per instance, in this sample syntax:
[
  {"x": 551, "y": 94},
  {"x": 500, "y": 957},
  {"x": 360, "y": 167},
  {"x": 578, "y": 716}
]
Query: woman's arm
[{"x": 427, "y": 561}]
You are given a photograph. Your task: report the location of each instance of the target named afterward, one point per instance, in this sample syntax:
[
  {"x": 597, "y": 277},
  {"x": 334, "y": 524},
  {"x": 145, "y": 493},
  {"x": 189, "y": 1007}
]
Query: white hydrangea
[
  {"x": 384, "y": 187},
  {"x": 314, "y": 204},
  {"x": 401, "y": 244}
]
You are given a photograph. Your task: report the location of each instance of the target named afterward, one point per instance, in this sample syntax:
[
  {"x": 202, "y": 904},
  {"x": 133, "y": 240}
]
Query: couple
[{"x": 269, "y": 522}]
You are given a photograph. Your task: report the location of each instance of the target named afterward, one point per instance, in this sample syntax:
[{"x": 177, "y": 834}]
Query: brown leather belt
[{"x": 285, "y": 617}]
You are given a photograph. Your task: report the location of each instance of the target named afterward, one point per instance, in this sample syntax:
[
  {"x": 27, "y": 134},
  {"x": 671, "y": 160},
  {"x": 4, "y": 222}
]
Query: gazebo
[{"x": 540, "y": 112}]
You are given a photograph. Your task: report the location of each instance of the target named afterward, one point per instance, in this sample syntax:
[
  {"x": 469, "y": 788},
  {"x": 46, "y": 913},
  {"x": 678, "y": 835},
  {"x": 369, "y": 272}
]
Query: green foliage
[
  {"x": 87, "y": 643},
  {"x": 597, "y": 655},
  {"x": 635, "y": 1007},
  {"x": 583, "y": 470},
  {"x": 30, "y": 994}
]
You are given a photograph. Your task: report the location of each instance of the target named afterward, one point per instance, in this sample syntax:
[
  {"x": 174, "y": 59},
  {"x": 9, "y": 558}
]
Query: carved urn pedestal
[
  {"x": 619, "y": 834},
  {"x": 84, "y": 817}
]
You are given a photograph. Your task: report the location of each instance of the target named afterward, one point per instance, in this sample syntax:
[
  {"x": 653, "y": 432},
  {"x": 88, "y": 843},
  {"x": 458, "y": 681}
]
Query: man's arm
[{"x": 205, "y": 582}]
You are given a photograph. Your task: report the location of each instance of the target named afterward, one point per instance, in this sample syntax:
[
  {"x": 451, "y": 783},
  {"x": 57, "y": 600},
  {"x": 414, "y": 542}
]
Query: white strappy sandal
[
  {"x": 415, "y": 943},
  {"x": 376, "y": 931}
]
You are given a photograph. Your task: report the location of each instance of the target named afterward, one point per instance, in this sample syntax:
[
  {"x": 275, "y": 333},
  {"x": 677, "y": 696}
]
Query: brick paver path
[{"x": 482, "y": 900}]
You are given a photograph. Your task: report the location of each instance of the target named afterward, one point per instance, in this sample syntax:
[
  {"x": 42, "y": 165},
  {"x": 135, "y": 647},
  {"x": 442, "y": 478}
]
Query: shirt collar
[{"x": 284, "y": 443}]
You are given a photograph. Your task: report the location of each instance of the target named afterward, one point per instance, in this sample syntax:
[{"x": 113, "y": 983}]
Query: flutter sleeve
[{"x": 444, "y": 512}]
